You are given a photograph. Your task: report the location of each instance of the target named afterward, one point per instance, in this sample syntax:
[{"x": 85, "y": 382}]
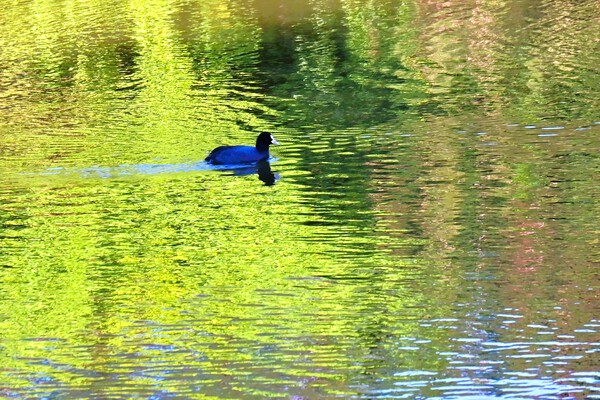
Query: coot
[{"x": 243, "y": 154}]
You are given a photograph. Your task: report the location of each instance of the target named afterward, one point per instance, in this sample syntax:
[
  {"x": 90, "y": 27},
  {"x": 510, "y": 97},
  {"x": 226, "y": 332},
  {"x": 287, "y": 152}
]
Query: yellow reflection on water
[{"x": 413, "y": 206}]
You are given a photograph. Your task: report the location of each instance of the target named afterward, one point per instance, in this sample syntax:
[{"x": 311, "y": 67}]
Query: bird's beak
[{"x": 273, "y": 141}]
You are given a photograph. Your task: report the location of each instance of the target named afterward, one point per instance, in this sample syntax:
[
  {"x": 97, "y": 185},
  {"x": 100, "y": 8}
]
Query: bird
[{"x": 243, "y": 154}]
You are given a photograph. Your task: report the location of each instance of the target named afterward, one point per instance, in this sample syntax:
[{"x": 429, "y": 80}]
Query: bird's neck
[{"x": 262, "y": 147}]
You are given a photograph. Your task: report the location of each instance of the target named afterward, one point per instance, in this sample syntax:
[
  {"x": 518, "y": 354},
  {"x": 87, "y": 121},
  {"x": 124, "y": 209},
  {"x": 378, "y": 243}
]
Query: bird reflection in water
[{"x": 261, "y": 168}]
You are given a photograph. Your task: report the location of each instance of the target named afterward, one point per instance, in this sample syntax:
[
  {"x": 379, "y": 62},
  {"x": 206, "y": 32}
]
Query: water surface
[{"x": 428, "y": 228}]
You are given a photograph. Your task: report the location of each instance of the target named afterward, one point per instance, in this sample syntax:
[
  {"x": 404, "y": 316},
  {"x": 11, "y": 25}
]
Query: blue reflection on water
[{"x": 261, "y": 168}]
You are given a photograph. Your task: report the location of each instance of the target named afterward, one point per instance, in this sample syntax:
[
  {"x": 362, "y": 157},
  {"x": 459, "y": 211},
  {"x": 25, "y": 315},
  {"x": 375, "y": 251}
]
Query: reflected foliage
[{"x": 425, "y": 225}]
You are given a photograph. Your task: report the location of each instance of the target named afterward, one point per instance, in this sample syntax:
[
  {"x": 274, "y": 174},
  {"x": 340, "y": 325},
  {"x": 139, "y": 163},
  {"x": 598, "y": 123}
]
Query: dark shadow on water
[{"x": 261, "y": 168}]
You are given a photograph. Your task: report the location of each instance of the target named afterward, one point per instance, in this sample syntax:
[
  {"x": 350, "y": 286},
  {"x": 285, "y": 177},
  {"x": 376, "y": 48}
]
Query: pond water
[{"x": 428, "y": 228}]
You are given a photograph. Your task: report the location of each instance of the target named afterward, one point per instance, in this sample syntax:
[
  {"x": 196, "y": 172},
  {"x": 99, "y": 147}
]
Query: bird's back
[{"x": 236, "y": 155}]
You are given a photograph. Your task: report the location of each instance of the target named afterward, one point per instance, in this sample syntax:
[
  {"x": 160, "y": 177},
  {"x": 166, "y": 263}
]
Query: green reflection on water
[
  {"x": 405, "y": 197},
  {"x": 116, "y": 254}
]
